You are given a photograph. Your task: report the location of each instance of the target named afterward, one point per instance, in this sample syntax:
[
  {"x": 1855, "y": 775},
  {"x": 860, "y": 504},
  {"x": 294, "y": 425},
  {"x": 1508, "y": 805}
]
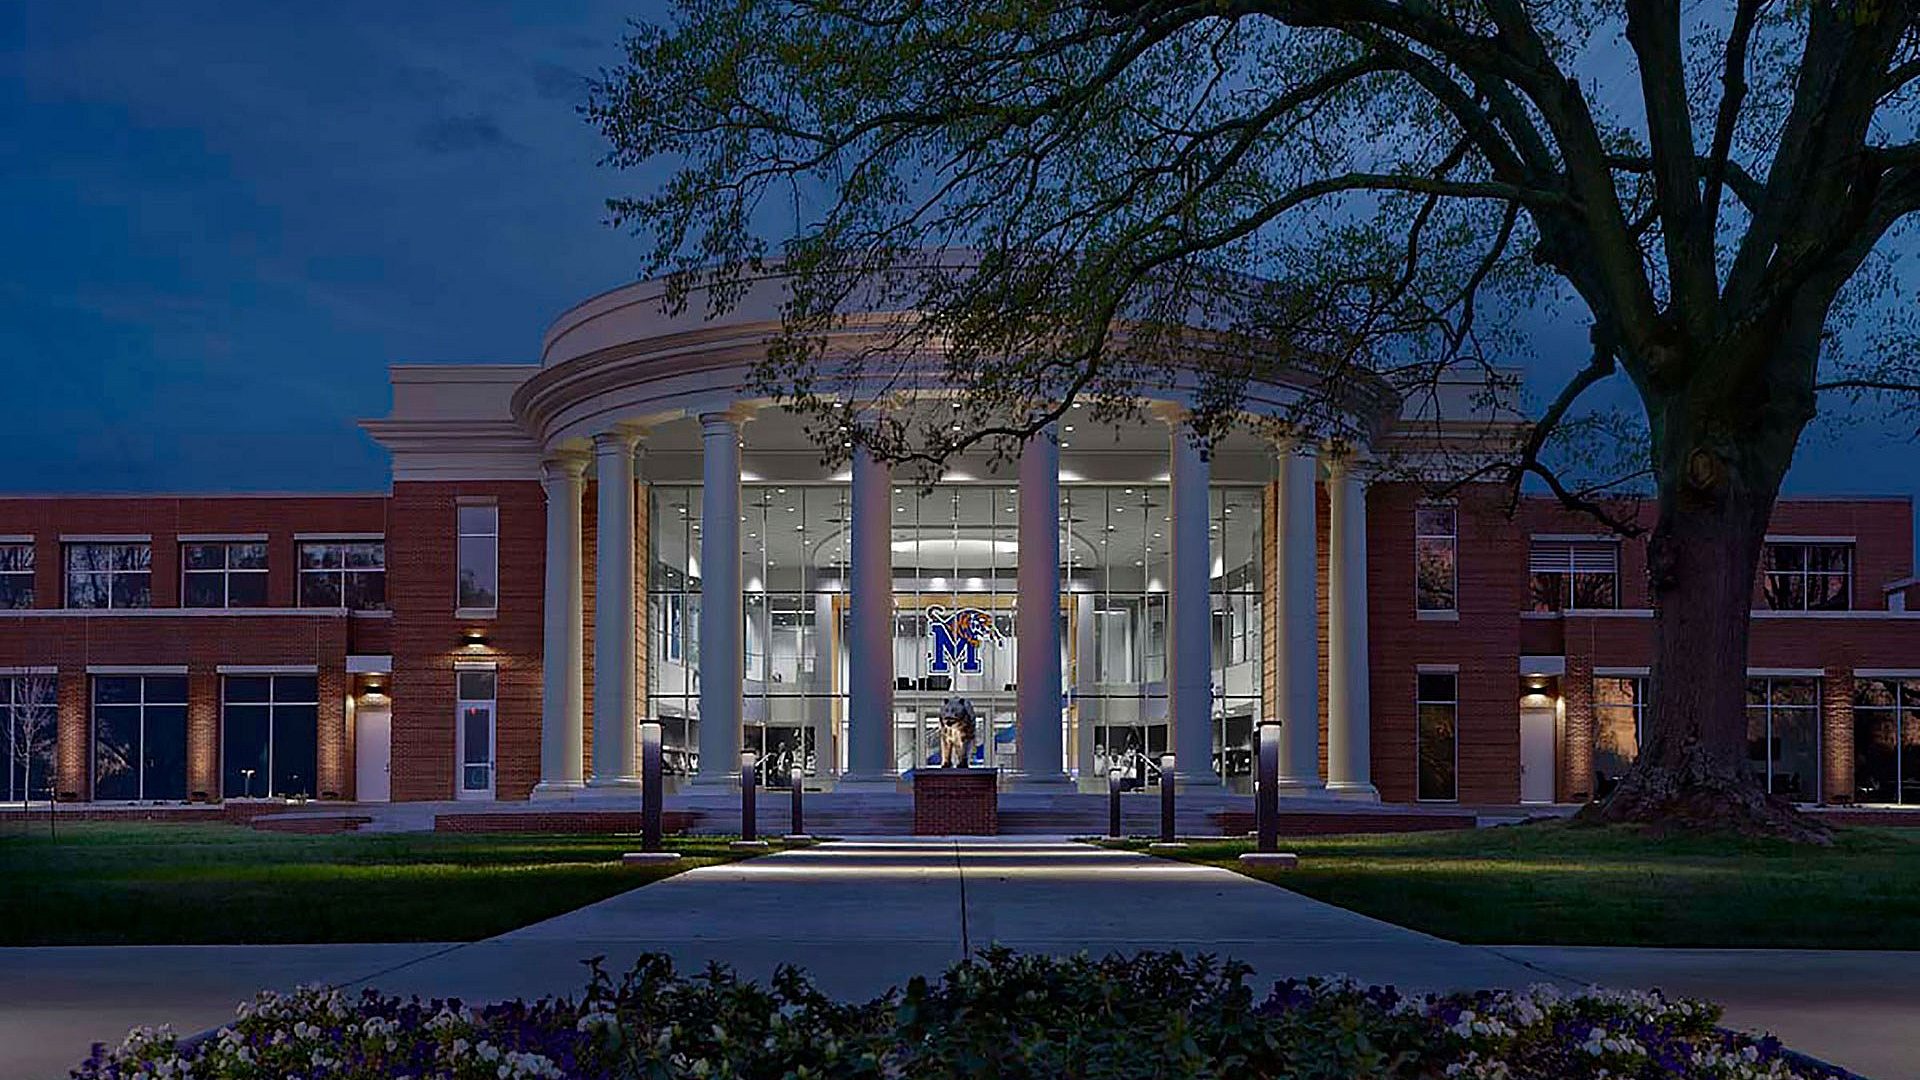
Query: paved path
[{"x": 865, "y": 915}]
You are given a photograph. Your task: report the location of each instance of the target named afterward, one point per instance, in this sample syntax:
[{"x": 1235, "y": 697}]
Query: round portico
[{"x": 1111, "y": 596}]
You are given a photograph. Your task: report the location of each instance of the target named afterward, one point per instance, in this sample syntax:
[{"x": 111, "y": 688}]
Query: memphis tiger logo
[{"x": 954, "y": 637}]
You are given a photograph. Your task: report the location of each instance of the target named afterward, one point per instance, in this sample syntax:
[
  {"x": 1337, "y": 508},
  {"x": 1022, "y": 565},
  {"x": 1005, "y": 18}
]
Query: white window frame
[
  {"x": 459, "y": 536},
  {"x": 460, "y": 705},
  {"x": 19, "y": 761},
  {"x": 1806, "y": 544},
  {"x": 1451, "y": 672},
  {"x": 339, "y": 573},
  {"x": 1452, "y": 537},
  {"x": 226, "y": 570},
  {"x": 1819, "y": 681},
  {"x": 33, "y": 564},
  {"x": 1569, "y": 558},
  {"x": 140, "y": 745},
  {"x": 67, "y": 545},
  {"x": 272, "y": 705}
]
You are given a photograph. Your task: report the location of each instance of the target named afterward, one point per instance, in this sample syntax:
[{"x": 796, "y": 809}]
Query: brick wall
[
  {"x": 1579, "y": 732},
  {"x": 956, "y": 802},
  {"x": 1836, "y": 736},
  {"x": 427, "y": 638}
]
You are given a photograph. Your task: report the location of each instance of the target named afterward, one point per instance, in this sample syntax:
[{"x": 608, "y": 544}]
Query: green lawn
[
  {"x": 1549, "y": 884},
  {"x": 111, "y": 884}
]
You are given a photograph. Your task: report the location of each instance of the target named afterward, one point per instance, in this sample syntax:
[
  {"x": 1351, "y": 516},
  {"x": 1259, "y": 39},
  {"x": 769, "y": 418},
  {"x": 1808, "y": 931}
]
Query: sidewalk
[{"x": 863, "y": 915}]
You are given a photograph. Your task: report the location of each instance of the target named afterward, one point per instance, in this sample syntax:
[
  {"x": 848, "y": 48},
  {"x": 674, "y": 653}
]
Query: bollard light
[
  {"x": 1166, "y": 798},
  {"x": 1266, "y": 789},
  {"x": 798, "y": 830},
  {"x": 749, "y": 830},
  {"x": 1113, "y": 803},
  {"x": 650, "y": 786}
]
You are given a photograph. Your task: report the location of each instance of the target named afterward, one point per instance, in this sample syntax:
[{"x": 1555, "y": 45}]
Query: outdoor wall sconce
[{"x": 474, "y": 638}]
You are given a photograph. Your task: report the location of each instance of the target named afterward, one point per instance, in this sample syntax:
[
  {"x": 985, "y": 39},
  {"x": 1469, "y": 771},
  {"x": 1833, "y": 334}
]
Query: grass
[
  {"x": 1550, "y": 884},
  {"x": 168, "y": 884}
]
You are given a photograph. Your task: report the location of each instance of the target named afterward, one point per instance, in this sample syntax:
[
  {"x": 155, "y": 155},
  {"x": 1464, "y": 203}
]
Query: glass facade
[{"x": 955, "y": 548}]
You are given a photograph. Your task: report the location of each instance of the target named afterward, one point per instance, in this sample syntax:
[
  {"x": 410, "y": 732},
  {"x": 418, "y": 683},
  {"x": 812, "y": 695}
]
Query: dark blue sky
[{"x": 222, "y": 221}]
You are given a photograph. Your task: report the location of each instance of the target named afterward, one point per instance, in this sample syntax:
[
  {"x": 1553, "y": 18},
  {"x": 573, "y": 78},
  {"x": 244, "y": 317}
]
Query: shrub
[{"x": 1159, "y": 1015}]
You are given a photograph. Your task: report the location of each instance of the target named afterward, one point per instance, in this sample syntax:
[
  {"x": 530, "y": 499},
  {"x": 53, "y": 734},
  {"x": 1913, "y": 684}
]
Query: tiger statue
[{"x": 957, "y": 731}]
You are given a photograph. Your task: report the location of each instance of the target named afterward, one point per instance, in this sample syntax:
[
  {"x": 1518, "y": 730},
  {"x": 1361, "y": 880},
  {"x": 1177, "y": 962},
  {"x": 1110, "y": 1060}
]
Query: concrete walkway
[{"x": 865, "y": 915}]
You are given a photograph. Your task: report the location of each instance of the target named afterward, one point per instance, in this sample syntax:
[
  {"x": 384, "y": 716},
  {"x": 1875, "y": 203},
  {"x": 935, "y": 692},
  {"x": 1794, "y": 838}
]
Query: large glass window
[
  {"x": 110, "y": 575},
  {"x": 16, "y": 575},
  {"x": 1574, "y": 575},
  {"x": 1435, "y": 545},
  {"x": 1619, "y": 708},
  {"x": 344, "y": 573},
  {"x": 474, "y": 711},
  {"x": 1783, "y": 735},
  {"x": 673, "y": 624},
  {"x": 224, "y": 574},
  {"x": 1438, "y": 705},
  {"x": 479, "y": 552},
  {"x": 269, "y": 737},
  {"x": 794, "y": 568},
  {"x": 1886, "y": 740},
  {"x": 1806, "y": 576},
  {"x": 29, "y": 730},
  {"x": 1236, "y": 583},
  {"x": 1116, "y": 556},
  {"x": 139, "y": 737}
]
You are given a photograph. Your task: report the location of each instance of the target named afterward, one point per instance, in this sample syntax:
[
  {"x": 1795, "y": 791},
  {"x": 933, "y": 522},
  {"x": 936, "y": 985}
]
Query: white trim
[
  {"x": 342, "y": 537},
  {"x": 174, "y": 612},
  {"x": 1608, "y": 613},
  {"x": 476, "y": 665},
  {"x": 1437, "y": 669},
  {"x": 1785, "y": 673},
  {"x": 1886, "y": 673},
  {"x": 136, "y": 669},
  {"x": 17, "y": 538},
  {"x": 1860, "y": 613},
  {"x": 1791, "y": 538},
  {"x": 42, "y": 670},
  {"x": 369, "y": 664},
  {"x": 268, "y": 669},
  {"x": 1622, "y": 672},
  {"x": 1891, "y": 586},
  {"x": 1576, "y": 538},
  {"x": 1437, "y": 615},
  {"x": 222, "y": 538},
  {"x": 1543, "y": 665},
  {"x": 476, "y": 613},
  {"x": 106, "y": 538}
]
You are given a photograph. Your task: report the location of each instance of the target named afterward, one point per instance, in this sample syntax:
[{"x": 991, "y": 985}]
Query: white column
[
  {"x": 1296, "y": 621},
  {"x": 1037, "y": 616},
  {"x": 563, "y": 676},
  {"x": 1349, "y": 750},
  {"x": 870, "y": 624},
  {"x": 1189, "y": 622},
  {"x": 722, "y": 653},
  {"x": 615, "y": 761}
]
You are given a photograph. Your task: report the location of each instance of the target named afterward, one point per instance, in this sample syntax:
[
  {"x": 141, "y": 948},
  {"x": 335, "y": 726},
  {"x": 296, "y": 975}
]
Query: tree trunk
[{"x": 1718, "y": 480}]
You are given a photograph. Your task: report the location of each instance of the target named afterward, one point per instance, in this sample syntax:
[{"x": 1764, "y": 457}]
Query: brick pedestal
[{"x": 956, "y": 802}]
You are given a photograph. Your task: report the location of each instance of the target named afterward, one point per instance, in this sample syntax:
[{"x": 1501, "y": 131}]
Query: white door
[
  {"x": 1536, "y": 755},
  {"x": 373, "y": 754}
]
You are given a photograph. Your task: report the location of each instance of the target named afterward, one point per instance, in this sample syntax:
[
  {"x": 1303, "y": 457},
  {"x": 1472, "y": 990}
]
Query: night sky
[{"x": 222, "y": 221}]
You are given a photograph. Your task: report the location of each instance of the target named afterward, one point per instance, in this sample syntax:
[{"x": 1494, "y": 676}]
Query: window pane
[
  {"x": 248, "y": 688},
  {"x": 88, "y": 557},
  {"x": 477, "y": 572},
  {"x": 243, "y": 747},
  {"x": 16, "y": 590},
  {"x": 476, "y": 685},
  {"x": 1796, "y": 764},
  {"x": 1548, "y": 591},
  {"x": 247, "y": 589},
  {"x": 318, "y": 556},
  {"x": 16, "y": 558},
  {"x": 116, "y": 750},
  {"x": 477, "y": 520},
  {"x": 249, "y": 556},
  {"x": 1433, "y": 567},
  {"x": 1876, "y": 751},
  {"x": 319, "y": 590},
  {"x": 1437, "y": 752},
  {"x": 366, "y": 590},
  {"x": 1796, "y": 691},
  {"x": 116, "y": 690},
  {"x": 1438, "y": 686},
  {"x": 1594, "y": 591},
  {"x": 164, "y": 770},
  {"x": 132, "y": 590},
  {"x": 203, "y": 556},
  {"x": 1831, "y": 558},
  {"x": 366, "y": 555},
  {"x": 477, "y": 720},
  {"x": 1784, "y": 557},
  {"x": 295, "y": 750},
  {"x": 1827, "y": 592},
  {"x": 87, "y": 590},
  {"x": 1785, "y": 592},
  {"x": 204, "y": 590},
  {"x": 1433, "y": 521},
  {"x": 1875, "y": 693}
]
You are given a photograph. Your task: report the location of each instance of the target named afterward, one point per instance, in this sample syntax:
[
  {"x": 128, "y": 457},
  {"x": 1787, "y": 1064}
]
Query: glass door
[{"x": 475, "y": 730}]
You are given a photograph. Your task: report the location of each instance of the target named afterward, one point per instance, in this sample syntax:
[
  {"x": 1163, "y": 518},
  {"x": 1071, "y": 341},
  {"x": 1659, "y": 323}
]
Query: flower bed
[{"x": 1151, "y": 1015}]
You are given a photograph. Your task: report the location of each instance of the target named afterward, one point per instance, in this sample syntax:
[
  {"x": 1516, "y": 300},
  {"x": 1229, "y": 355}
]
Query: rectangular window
[
  {"x": 1783, "y": 735},
  {"x": 1438, "y": 705},
  {"x": 223, "y": 574},
  {"x": 1435, "y": 549},
  {"x": 1806, "y": 576},
  {"x": 344, "y": 573},
  {"x": 16, "y": 575},
  {"x": 1886, "y": 740},
  {"x": 1574, "y": 575},
  {"x": 29, "y": 722},
  {"x": 269, "y": 738},
  {"x": 1619, "y": 710},
  {"x": 479, "y": 551},
  {"x": 474, "y": 715},
  {"x": 110, "y": 575},
  {"x": 140, "y": 738}
]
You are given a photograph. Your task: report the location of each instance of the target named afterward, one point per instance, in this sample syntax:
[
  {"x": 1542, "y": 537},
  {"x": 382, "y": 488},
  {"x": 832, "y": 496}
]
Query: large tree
[{"x": 1357, "y": 188}]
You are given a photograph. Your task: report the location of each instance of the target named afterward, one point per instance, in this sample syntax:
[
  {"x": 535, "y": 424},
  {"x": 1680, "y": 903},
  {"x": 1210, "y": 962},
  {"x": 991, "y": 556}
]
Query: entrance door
[
  {"x": 1536, "y": 755},
  {"x": 373, "y": 754}
]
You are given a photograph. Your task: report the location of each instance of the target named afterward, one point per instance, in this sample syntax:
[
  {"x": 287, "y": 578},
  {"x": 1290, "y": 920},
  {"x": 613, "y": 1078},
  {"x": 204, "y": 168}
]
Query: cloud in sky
[{"x": 224, "y": 222}]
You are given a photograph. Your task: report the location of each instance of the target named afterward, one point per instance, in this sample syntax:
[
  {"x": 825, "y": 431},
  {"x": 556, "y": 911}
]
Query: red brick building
[{"x": 532, "y": 589}]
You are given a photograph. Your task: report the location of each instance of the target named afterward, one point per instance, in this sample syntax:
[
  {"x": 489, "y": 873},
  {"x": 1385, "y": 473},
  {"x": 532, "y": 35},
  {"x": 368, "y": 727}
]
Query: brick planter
[{"x": 956, "y": 802}]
